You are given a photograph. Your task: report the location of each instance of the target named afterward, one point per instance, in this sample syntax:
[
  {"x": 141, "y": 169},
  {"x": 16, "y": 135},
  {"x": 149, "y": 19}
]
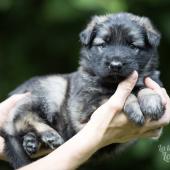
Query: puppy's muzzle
[{"x": 115, "y": 66}]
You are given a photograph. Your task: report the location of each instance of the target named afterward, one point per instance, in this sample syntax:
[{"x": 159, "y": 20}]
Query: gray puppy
[{"x": 113, "y": 46}]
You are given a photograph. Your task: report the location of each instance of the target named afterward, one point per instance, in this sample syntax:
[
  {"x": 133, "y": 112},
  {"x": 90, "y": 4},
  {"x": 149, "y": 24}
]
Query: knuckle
[{"x": 166, "y": 122}]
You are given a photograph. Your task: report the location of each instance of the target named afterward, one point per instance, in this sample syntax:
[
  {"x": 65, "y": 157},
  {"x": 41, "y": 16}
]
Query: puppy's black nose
[{"x": 115, "y": 65}]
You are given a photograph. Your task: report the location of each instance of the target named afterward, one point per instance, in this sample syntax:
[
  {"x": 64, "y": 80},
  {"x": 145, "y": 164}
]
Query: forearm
[{"x": 71, "y": 154}]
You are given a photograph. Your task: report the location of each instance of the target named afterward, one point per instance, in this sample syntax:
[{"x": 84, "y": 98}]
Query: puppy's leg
[
  {"x": 27, "y": 119},
  {"x": 48, "y": 135},
  {"x": 14, "y": 151},
  {"x": 31, "y": 143},
  {"x": 132, "y": 109},
  {"x": 151, "y": 104}
]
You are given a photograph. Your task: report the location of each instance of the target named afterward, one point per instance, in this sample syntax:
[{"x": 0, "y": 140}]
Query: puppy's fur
[{"x": 113, "y": 46}]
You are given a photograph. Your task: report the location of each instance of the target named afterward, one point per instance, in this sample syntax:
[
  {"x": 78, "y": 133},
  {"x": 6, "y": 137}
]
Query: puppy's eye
[
  {"x": 133, "y": 46},
  {"x": 101, "y": 45},
  {"x": 99, "y": 42}
]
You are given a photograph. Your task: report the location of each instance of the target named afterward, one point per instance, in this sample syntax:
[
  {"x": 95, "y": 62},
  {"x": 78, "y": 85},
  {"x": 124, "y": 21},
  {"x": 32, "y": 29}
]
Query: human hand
[
  {"x": 165, "y": 119},
  {"x": 5, "y": 108},
  {"x": 110, "y": 125},
  {"x": 7, "y": 105}
]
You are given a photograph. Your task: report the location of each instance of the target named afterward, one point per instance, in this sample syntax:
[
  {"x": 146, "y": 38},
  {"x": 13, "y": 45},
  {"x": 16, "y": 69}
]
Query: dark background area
[{"x": 40, "y": 37}]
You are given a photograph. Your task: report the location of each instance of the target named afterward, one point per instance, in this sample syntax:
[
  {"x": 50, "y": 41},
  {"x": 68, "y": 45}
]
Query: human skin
[
  {"x": 114, "y": 128},
  {"x": 5, "y": 108}
]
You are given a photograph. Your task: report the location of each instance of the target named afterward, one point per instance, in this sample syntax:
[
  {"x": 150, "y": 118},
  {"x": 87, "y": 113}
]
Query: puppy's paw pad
[
  {"x": 30, "y": 143},
  {"x": 134, "y": 114},
  {"x": 52, "y": 139},
  {"x": 151, "y": 106}
]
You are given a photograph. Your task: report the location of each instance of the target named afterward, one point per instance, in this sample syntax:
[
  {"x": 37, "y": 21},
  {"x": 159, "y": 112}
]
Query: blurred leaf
[
  {"x": 106, "y": 6},
  {"x": 5, "y": 5},
  {"x": 58, "y": 10}
]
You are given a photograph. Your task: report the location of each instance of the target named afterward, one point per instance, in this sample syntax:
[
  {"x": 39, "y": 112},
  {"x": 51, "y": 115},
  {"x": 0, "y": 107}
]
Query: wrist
[
  {"x": 91, "y": 138},
  {"x": 88, "y": 141},
  {"x": 81, "y": 147}
]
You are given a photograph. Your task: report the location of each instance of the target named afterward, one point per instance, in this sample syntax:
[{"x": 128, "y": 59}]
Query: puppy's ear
[
  {"x": 153, "y": 36},
  {"x": 87, "y": 35}
]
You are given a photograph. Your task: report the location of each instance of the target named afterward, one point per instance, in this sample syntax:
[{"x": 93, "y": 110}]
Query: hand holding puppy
[{"x": 115, "y": 126}]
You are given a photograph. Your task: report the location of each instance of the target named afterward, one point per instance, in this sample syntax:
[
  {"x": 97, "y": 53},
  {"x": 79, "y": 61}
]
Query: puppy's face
[{"x": 116, "y": 45}]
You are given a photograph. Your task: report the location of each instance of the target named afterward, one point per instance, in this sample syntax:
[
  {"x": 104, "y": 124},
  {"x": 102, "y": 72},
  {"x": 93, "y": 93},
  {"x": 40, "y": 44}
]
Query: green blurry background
[{"x": 41, "y": 37}]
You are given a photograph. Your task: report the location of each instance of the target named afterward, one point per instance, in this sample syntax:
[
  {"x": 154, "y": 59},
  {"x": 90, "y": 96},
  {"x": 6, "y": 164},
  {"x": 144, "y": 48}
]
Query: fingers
[
  {"x": 165, "y": 119},
  {"x": 154, "y": 134},
  {"x": 166, "y": 95},
  {"x": 123, "y": 91},
  {"x": 151, "y": 84},
  {"x": 154, "y": 86},
  {"x": 11, "y": 101},
  {"x": 2, "y": 146}
]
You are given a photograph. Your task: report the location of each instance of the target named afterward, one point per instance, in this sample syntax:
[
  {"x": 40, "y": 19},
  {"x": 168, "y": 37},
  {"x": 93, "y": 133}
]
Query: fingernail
[
  {"x": 27, "y": 93},
  {"x": 134, "y": 75},
  {"x": 148, "y": 79},
  {"x": 164, "y": 100},
  {"x": 164, "y": 90}
]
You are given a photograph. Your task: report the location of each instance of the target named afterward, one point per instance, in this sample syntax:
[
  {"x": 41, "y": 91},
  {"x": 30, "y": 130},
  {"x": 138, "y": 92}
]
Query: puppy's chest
[
  {"x": 99, "y": 96},
  {"x": 86, "y": 102},
  {"x": 102, "y": 97}
]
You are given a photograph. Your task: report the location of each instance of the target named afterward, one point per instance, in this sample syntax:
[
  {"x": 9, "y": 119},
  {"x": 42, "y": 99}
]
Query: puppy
[{"x": 113, "y": 46}]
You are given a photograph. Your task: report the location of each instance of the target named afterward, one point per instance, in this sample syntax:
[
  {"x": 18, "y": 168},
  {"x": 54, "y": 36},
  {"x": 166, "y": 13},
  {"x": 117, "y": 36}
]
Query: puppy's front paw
[
  {"x": 150, "y": 104},
  {"x": 30, "y": 143},
  {"x": 52, "y": 139},
  {"x": 132, "y": 110}
]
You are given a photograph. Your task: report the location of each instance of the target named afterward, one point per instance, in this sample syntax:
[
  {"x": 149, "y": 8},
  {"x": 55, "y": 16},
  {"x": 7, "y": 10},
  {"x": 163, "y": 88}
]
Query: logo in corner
[{"x": 165, "y": 151}]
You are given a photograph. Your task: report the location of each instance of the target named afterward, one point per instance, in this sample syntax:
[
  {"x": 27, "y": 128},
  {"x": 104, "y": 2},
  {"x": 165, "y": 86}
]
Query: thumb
[
  {"x": 11, "y": 101},
  {"x": 123, "y": 91}
]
